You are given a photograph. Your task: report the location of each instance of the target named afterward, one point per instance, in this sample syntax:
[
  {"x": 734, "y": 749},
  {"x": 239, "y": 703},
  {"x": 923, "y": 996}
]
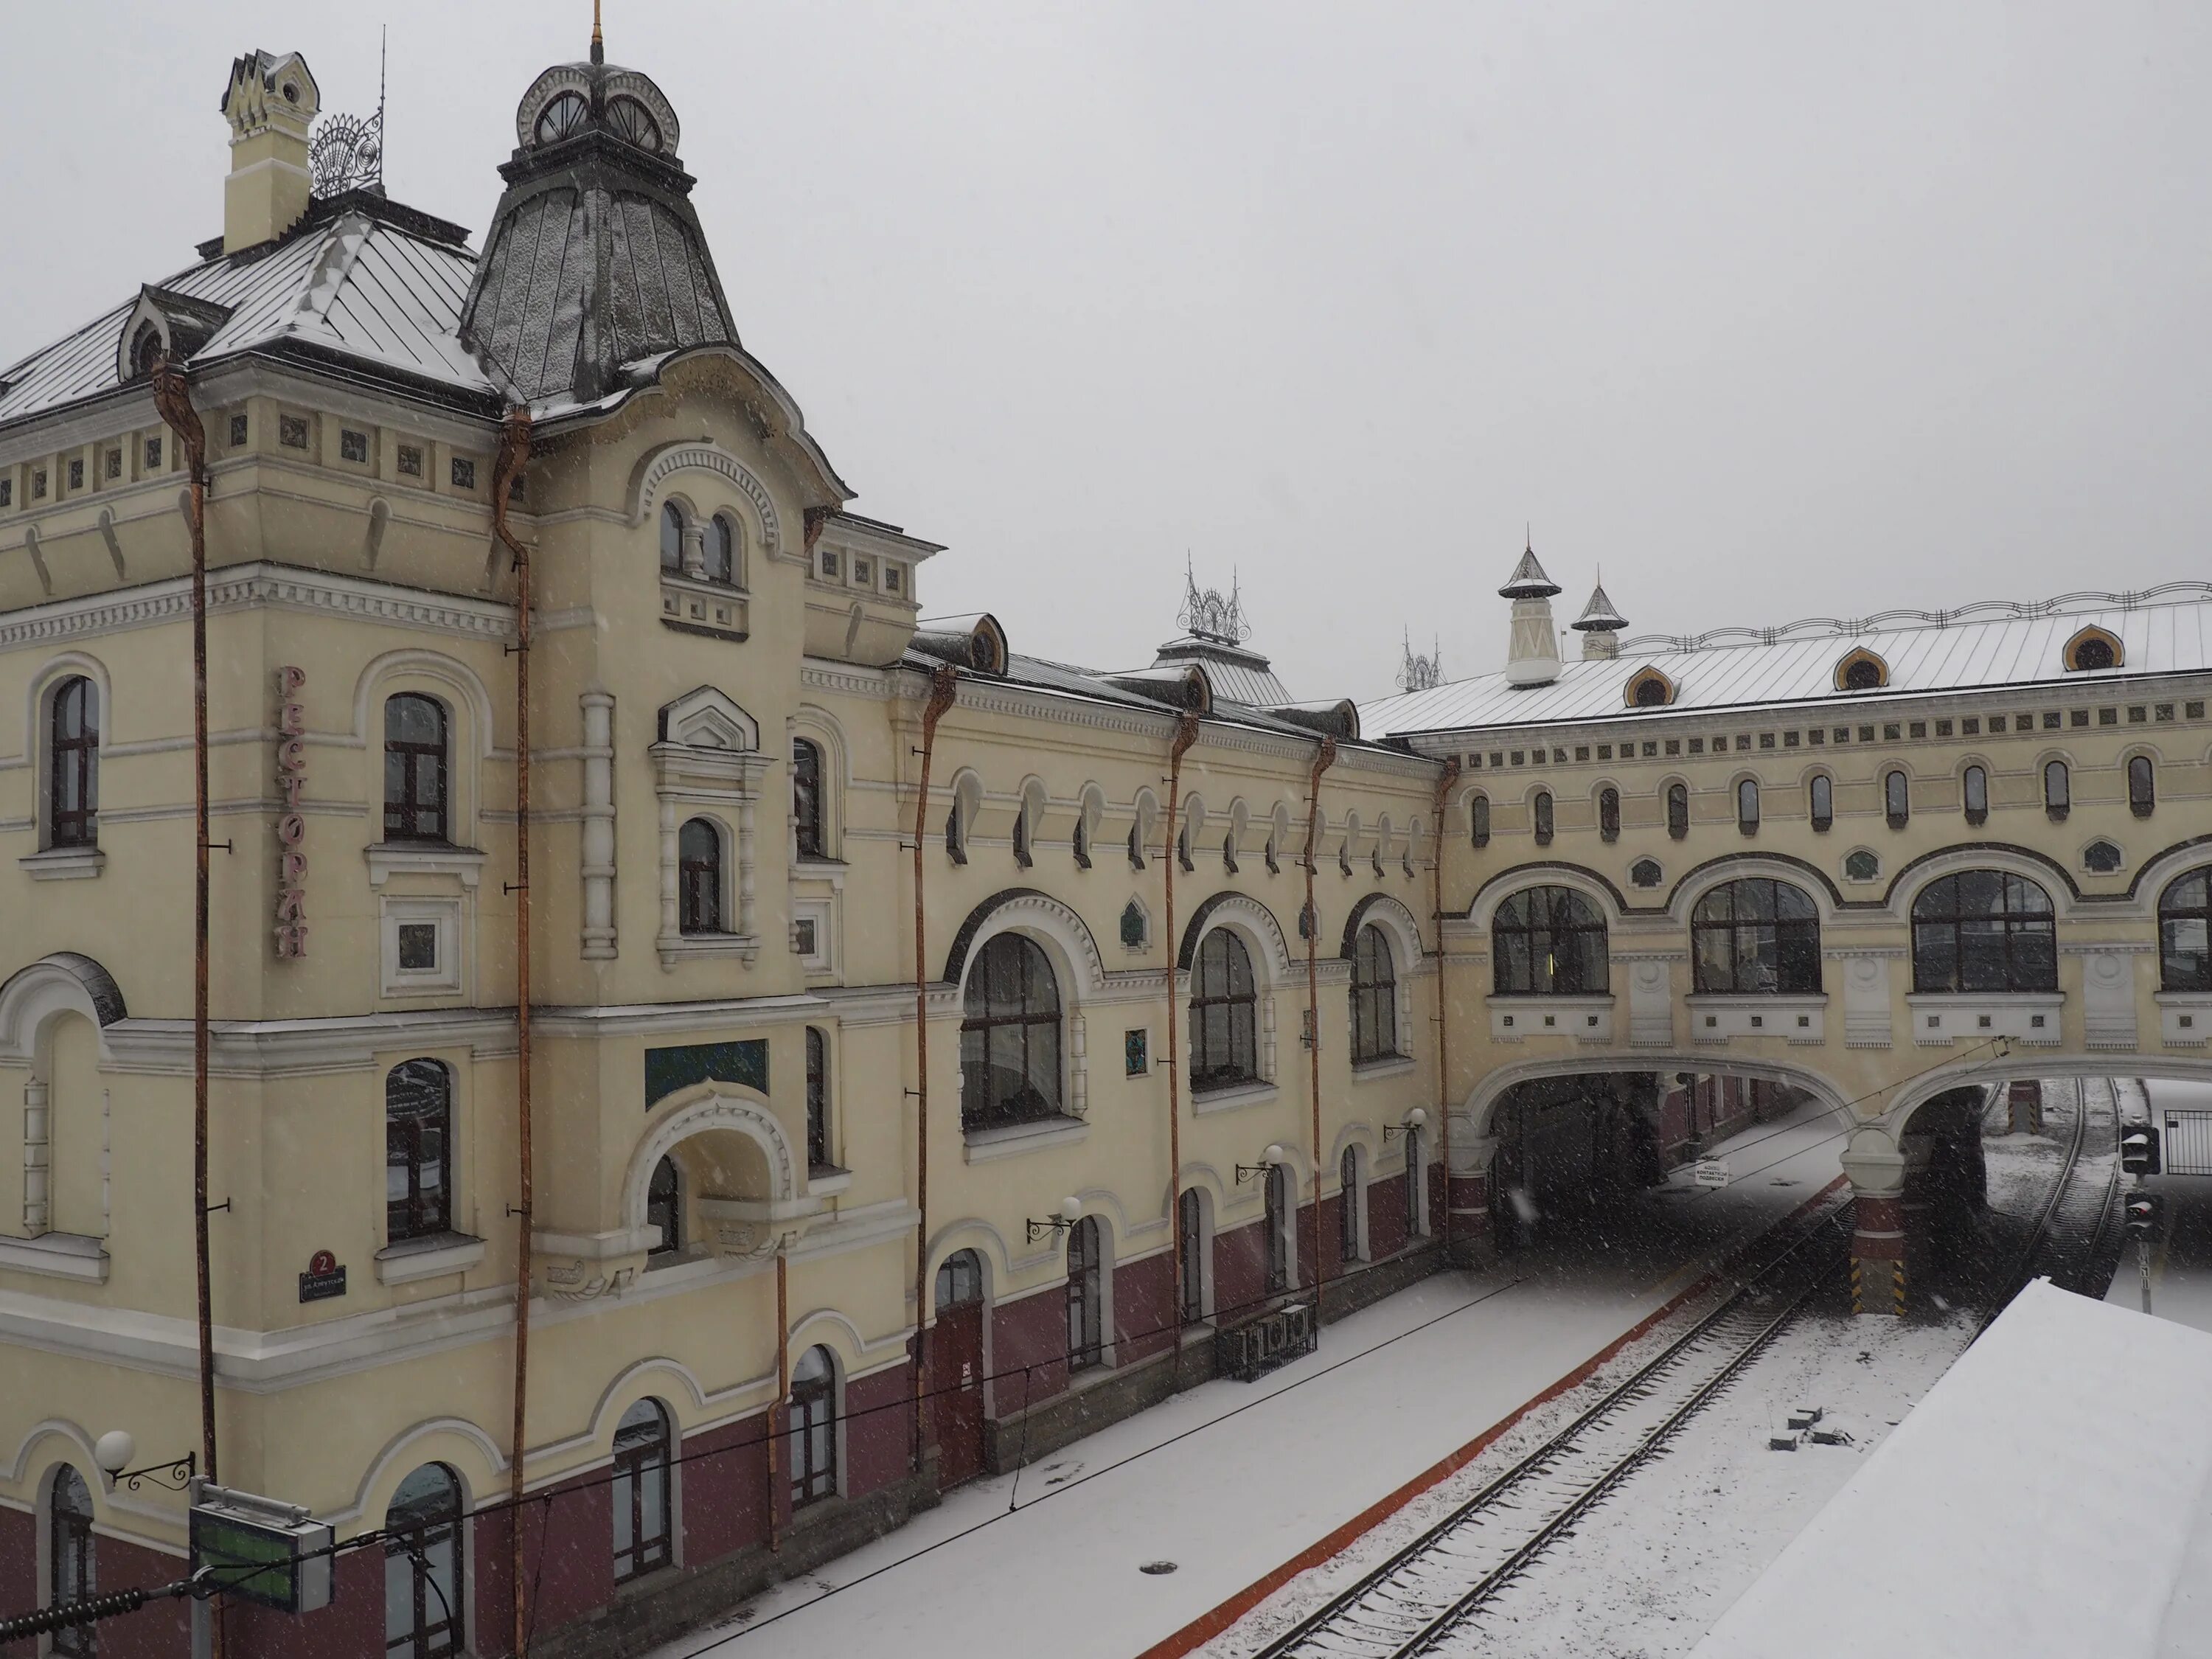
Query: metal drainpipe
[
  {"x": 778, "y": 1413},
  {"x": 1444, "y": 783},
  {"x": 514, "y": 455},
  {"x": 1323, "y": 759},
  {"x": 944, "y": 686},
  {"x": 1186, "y": 734},
  {"x": 172, "y": 399}
]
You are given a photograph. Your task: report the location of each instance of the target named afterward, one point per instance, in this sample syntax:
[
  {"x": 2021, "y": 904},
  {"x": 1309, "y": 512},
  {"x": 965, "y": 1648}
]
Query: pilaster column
[
  {"x": 1876, "y": 1168},
  {"x": 746, "y": 859},
  {"x": 599, "y": 826},
  {"x": 38, "y": 1154}
]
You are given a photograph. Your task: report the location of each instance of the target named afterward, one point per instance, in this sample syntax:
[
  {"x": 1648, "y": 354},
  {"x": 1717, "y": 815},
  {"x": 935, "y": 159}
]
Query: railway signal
[
  {"x": 2139, "y": 1150},
  {"x": 2144, "y": 1211}
]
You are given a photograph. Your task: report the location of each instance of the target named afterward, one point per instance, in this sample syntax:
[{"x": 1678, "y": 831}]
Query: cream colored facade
[{"x": 351, "y": 537}]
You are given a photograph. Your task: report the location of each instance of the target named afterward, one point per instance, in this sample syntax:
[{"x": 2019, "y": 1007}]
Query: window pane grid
[
  {"x": 1548, "y": 941},
  {"x": 1756, "y": 937},
  {"x": 1224, "y": 1014},
  {"x": 1983, "y": 930}
]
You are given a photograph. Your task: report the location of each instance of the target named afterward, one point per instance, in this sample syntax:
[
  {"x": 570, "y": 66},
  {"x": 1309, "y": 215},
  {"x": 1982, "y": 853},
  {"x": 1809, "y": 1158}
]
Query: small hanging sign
[{"x": 1711, "y": 1172}]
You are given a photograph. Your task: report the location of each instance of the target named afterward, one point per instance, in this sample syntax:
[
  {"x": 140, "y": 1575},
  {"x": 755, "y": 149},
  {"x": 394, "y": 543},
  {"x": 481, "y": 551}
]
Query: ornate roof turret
[
  {"x": 1598, "y": 624},
  {"x": 595, "y": 259},
  {"x": 1529, "y": 580}
]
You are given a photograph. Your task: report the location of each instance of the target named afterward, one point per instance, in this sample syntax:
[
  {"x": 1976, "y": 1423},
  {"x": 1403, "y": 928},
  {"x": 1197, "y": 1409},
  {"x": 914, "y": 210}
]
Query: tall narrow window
[
  {"x": 1678, "y": 809},
  {"x": 956, "y": 834},
  {"x": 1416, "y": 1172},
  {"x": 70, "y": 1575},
  {"x": 423, "y": 1566},
  {"x": 663, "y": 1209},
  {"x": 73, "y": 766},
  {"x": 1010, "y": 1036},
  {"x": 1478, "y": 812},
  {"x": 2057, "y": 789},
  {"x": 2142, "y": 786},
  {"x": 813, "y": 1409},
  {"x": 1609, "y": 814},
  {"x": 1022, "y": 836},
  {"x": 806, "y": 797},
  {"x": 1821, "y": 798},
  {"x": 2184, "y": 934},
  {"x": 1896, "y": 799},
  {"x": 414, "y": 749},
  {"x": 1191, "y": 1270},
  {"x": 817, "y": 1098},
  {"x": 1086, "y": 1343},
  {"x": 671, "y": 538},
  {"x": 1278, "y": 1227},
  {"x": 722, "y": 550},
  {"x": 699, "y": 877},
  {"x": 1974, "y": 790},
  {"x": 1347, "y": 1176},
  {"x": 418, "y": 1132},
  {"x": 644, "y": 1508},
  {"x": 1747, "y": 806},
  {"x": 1374, "y": 998},
  {"x": 1082, "y": 847},
  {"x": 1541, "y": 809},
  {"x": 1224, "y": 1014}
]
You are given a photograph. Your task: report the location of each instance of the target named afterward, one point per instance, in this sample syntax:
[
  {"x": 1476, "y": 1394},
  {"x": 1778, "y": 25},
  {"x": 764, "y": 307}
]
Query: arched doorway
[{"x": 955, "y": 1366}]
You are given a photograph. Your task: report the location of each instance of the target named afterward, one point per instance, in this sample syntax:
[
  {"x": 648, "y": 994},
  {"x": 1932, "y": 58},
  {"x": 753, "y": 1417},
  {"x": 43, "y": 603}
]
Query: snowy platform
[
  {"x": 1236, "y": 1482},
  {"x": 2050, "y": 1495}
]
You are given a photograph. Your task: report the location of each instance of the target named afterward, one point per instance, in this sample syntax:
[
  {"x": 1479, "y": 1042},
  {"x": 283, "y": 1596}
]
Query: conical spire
[
  {"x": 1599, "y": 616},
  {"x": 1532, "y": 657},
  {"x": 1529, "y": 580}
]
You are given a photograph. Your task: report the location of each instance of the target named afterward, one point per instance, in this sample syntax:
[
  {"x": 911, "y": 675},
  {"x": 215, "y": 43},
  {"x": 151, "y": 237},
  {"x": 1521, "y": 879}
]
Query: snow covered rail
[
  {"x": 2072, "y": 1236},
  {"x": 1409, "y": 1604}
]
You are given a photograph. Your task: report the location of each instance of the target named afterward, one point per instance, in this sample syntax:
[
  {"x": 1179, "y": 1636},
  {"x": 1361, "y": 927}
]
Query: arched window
[
  {"x": 1009, "y": 1036},
  {"x": 631, "y": 121},
  {"x": 1974, "y": 789},
  {"x": 1224, "y": 1014},
  {"x": 2057, "y": 789},
  {"x": 722, "y": 550},
  {"x": 959, "y": 1280},
  {"x": 2184, "y": 934},
  {"x": 699, "y": 877},
  {"x": 817, "y": 1098},
  {"x": 1678, "y": 809},
  {"x": 565, "y": 115},
  {"x": 1548, "y": 941},
  {"x": 1478, "y": 812},
  {"x": 1541, "y": 811},
  {"x": 672, "y": 537},
  {"x": 1651, "y": 692},
  {"x": 1983, "y": 930},
  {"x": 1757, "y": 937},
  {"x": 1416, "y": 1172},
  {"x": 1082, "y": 845},
  {"x": 2091, "y": 649},
  {"x": 1347, "y": 1175},
  {"x": 1863, "y": 674},
  {"x": 806, "y": 797},
  {"x": 1747, "y": 806},
  {"x": 955, "y": 832},
  {"x": 813, "y": 1409},
  {"x": 1821, "y": 801},
  {"x": 415, "y": 749},
  {"x": 73, "y": 765},
  {"x": 1086, "y": 1298},
  {"x": 1896, "y": 799},
  {"x": 423, "y": 1607},
  {"x": 1646, "y": 872},
  {"x": 1609, "y": 814},
  {"x": 1374, "y": 997},
  {"x": 2142, "y": 786},
  {"x": 146, "y": 349},
  {"x": 644, "y": 1506},
  {"x": 664, "y": 1208},
  {"x": 1022, "y": 838},
  {"x": 1278, "y": 1227},
  {"x": 1190, "y": 1272},
  {"x": 70, "y": 1575},
  {"x": 418, "y": 1134}
]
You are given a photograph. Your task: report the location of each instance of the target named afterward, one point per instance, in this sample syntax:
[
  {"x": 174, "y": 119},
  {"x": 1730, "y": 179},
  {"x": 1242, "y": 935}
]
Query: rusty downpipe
[
  {"x": 1186, "y": 734},
  {"x": 513, "y": 455},
  {"x": 1445, "y": 779},
  {"x": 944, "y": 686},
  {"x": 777, "y": 1413},
  {"x": 1324, "y": 757},
  {"x": 172, "y": 398}
]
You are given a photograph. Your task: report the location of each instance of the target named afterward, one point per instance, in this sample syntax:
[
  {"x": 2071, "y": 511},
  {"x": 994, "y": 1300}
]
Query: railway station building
[{"x": 934, "y": 1051}]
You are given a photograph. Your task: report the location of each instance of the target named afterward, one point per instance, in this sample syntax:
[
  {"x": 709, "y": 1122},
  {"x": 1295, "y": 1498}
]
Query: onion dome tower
[
  {"x": 1599, "y": 625},
  {"x": 1533, "y": 656},
  {"x": 595, "y": 259}
]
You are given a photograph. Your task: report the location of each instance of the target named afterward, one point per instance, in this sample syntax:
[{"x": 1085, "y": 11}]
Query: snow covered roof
[
  {"x": 2167, "y": 631},
  {"x": 377, "y": 285},
  {"x": 2051, "y": 1495},
  {"x": 1236, "y": 671}
]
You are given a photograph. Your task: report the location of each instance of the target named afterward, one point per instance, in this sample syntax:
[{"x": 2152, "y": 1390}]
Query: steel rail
[
  {"x": 1358, "y": 1620},
  {"x": 2040, "y": 1235}
]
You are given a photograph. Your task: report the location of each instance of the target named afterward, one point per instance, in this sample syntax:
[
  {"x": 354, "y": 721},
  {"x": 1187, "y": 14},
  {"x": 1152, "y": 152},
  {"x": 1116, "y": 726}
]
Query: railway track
[
  {"x": 1411, "y": 1601},
  {"x": 2073, "y": 1231}
]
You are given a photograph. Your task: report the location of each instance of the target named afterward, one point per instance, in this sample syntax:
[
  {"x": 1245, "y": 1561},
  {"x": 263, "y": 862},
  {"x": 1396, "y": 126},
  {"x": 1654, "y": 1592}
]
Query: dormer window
[
  {"x": 146, "y": 349},
  {"x": 562, "y": 117},
  {"x": 1648, "y": 688},
  {"x": 632, "y": 123},
  {"x": 2091, "y": 649},
  {"x": 1861, "y": 671}
]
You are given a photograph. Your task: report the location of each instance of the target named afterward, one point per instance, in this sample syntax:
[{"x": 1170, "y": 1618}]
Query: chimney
[
  {"x": 1598, "y": 625},
  {"x": 270, "y": 103},
  {"x": 1533, "y": 657}
]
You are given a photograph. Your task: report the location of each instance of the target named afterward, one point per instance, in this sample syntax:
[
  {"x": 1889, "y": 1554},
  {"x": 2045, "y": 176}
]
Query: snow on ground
[
  {"x": 2181, "y": 1261},
  {"x": 1647, "y": 1572},
  {"x": 1248, "y": 1475}
]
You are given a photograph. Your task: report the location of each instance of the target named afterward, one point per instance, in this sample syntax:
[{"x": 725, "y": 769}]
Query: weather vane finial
[
  {"x": 1210, "y": 616},
  {"x": 599, "y": 36}
]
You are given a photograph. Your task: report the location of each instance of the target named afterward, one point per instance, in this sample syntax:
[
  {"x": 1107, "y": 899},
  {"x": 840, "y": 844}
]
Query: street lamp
[
  {"x": 1268, "y": 1159},
  {"x": 1416, "y": 1119},
  {"x": 1071, "y": 1212},
  {"x": 114, "y": 1451}
]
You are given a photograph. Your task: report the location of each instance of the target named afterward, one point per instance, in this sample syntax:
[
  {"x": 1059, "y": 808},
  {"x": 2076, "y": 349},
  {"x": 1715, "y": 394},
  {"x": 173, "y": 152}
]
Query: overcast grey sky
[{"x": 1772, "y": 311}]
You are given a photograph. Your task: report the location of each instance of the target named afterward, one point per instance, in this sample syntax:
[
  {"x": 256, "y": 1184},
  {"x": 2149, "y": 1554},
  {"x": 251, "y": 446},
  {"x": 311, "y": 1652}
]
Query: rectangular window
[
  {"x": 830, "y": 565},
  {"x": 1920, "y": 729},
  {"x": 238, "y": 431},
  {"x": 153, "y": 454},
  {"x": 894, "y": 578},
  {"x": 418, "y": 947},
  {"x": 76, "y": 475},
  {"x": 864, "y": 571},
  {"x": 1697, "y": 745},
  {"x": 6, "y": 492},
  {"x": 1136, "y": 1052},
  {"x": 114, "y": 464},
  {"x": 38, "y": 483}
]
